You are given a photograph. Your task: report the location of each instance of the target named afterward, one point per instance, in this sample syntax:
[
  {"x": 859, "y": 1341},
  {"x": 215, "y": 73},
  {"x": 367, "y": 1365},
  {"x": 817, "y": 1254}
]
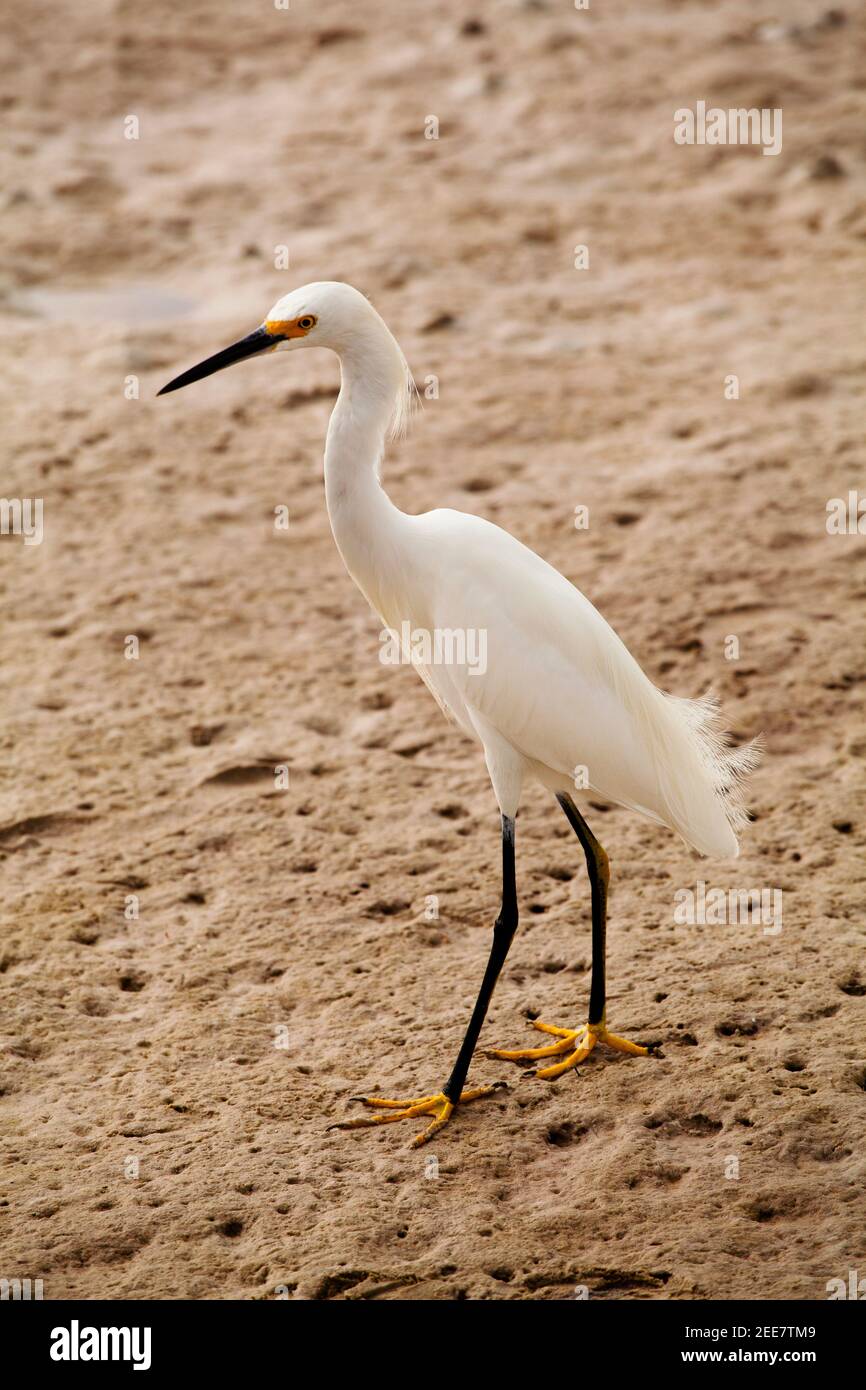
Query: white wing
[{"x": 559, "y": 686}]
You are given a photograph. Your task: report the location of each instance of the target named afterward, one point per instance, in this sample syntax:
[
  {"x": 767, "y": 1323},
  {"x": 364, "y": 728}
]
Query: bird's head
[{"x": 326, "y": 314}]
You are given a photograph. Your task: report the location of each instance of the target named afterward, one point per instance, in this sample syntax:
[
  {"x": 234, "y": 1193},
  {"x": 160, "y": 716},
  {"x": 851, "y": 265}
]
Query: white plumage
[{"x": 559, "y": 693}]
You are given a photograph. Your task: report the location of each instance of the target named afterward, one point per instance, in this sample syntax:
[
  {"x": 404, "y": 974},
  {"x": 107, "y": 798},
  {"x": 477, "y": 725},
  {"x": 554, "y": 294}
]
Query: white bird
[{"x": 557, "y": 691}]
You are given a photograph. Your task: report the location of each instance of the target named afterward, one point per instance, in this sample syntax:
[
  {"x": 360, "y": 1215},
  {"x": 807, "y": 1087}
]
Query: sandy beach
[{"x": 200, "y": 967}]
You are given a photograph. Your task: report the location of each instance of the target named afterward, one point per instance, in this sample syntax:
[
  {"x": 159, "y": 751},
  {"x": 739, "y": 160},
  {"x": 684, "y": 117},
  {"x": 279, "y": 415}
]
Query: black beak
[{"x": 250, "y": 346}]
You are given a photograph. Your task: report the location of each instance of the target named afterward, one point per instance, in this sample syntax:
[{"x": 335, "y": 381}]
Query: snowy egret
[{"x": 557, "y": 691}]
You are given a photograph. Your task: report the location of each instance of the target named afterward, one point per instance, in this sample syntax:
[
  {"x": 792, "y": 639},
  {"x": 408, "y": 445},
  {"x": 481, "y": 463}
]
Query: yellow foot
[
  {"x": 439, "y": 1106},
  {"x": 578, "y": 1042}
]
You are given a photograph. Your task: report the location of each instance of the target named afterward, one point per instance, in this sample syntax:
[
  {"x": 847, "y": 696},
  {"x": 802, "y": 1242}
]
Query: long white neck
[{"x": 367, "y": 527}]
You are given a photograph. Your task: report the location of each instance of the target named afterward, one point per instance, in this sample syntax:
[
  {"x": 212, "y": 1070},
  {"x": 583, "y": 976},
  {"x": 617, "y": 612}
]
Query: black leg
[
  {"x": 503, "y": 934},
  {"x": 598, "y": 868}
]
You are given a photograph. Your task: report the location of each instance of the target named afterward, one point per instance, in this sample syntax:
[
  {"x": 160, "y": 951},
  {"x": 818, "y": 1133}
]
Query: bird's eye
[{"x": 307, "y": 321}]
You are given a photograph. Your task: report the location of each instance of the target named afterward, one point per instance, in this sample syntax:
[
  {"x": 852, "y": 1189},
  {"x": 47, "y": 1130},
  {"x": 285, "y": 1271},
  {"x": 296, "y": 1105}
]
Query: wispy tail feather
[{"x": 701, "y": 775}]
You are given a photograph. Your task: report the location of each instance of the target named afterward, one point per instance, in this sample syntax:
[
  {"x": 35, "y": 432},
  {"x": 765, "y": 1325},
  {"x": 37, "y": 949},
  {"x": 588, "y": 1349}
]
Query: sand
[{"x": 200, "y": 968}]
